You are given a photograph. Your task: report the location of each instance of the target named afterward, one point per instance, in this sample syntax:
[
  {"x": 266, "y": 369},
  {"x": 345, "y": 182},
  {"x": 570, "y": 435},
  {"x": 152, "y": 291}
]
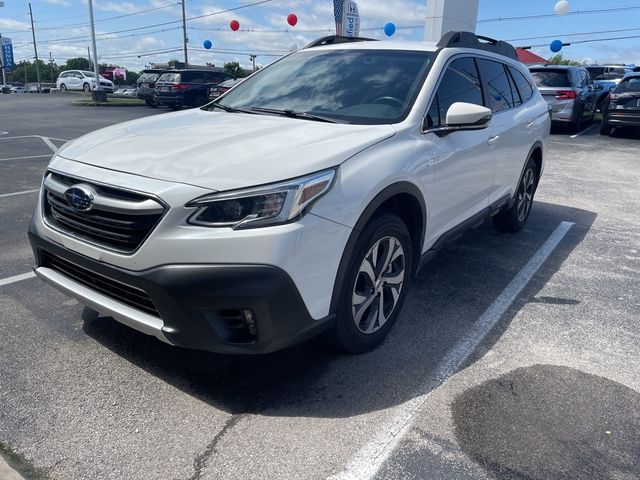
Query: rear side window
[
  {"x": 597, "y": 73},
  {"x": 170, "y": 77},
  {"x": 148, "y": 77},
  {"x": 522, "y": 84},
  {"x": 551, "y": 78},
  {"x": 460, "y": 83},
  {"x": 631, "y": 84},
  {"x": 496, "y": 81}
]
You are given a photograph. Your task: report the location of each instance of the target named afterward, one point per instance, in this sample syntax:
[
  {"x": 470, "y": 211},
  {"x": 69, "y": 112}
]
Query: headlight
[{"x": 261, "y": 206}]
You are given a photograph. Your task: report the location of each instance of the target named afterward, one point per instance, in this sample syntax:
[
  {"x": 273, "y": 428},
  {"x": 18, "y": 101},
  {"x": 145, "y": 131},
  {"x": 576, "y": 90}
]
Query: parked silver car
[{"x": 569, "y": 91}]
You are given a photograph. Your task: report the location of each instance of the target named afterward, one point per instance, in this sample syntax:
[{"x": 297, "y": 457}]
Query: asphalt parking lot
[{"x": 515, "y": 357}]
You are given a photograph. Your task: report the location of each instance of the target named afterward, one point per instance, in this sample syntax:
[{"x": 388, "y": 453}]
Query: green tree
[
  {"x": 558, "y": 59},
  {"x": 78, "y": 63},
  {"x": 234, "y": 68}
]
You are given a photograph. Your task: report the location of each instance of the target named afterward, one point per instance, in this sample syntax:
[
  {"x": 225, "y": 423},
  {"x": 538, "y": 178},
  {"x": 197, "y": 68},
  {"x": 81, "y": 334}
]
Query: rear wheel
[
  {"x": 175, "y": 107},
  {"x": 152, "y": 102},
  {"x": 374, "y": 286},
  {"x": 513, "y": 219}
]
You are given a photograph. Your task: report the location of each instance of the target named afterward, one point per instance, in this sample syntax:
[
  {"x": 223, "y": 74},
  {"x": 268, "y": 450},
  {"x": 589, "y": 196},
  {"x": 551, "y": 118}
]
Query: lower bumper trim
[{"x": 105, "y": 305}]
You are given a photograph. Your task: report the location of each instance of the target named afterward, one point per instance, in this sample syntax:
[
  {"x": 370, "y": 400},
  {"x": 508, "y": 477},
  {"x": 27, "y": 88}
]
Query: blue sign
[{"x": 7, "y": 54}]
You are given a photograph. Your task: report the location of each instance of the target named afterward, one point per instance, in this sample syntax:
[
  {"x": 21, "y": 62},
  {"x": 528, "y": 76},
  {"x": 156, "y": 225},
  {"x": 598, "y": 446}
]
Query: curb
[
  {"x": 8, "y": 473},
  {"x": 108, "y": 104}
]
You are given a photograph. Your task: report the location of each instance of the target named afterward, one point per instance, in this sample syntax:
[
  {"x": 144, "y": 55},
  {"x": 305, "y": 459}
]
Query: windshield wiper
[
  {"x": 229, "y": 109},
  {"x": 288, "y": 112}
]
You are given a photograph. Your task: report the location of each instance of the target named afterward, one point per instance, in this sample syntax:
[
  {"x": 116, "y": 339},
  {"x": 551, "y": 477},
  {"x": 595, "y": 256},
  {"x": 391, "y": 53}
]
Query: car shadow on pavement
[{"x": 311, "y": 380}]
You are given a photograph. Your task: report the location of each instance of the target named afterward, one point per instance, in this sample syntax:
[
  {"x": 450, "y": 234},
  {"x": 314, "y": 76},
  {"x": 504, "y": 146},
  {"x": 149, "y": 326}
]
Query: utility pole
[
  {"x": 51, "y": 64},
  {"x": 97, "y": 94},
  {"x": 35, "y": 48},
  {"x": 4, "y": 78},
  {"x": 89, "y": 56},
  {"x": 253, "y": 60},
  {"x": 184, "y": 35}
]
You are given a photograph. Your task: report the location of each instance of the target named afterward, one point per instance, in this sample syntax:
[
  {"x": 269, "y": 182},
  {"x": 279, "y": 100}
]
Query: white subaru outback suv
[{"x": 304, "y": 200}]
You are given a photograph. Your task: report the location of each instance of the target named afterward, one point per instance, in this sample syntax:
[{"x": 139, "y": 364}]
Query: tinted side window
[
  {"x": 522, "y": 84},
  {"x": 495, "y": 78},
  {"x": 460, "y": 83},
  {"x": 517, "y": 100}
]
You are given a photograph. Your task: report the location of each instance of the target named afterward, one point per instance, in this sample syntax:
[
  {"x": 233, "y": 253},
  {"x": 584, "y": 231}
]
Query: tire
[
  {"x": 152, "y": 102},
  {"x": 576, "y": 124},
  {"x": 63, "y": 87},
  {"x": 359, "y": 326},
  {"x": 514, "y": 218},
  {"x": 605, "y": 129},
  {"x": 86, "y": 88},
  {"x": 175, "y": 107}
]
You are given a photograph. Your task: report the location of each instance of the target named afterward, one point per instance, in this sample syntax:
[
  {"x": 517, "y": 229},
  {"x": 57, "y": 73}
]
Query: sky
[{"x": 133, "y": 34}]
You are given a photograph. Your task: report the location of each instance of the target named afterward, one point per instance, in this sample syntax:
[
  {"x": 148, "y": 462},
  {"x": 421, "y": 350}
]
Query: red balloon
[
  {"x": 292, "y": 19},
  {"x": 235, "y": 25}
]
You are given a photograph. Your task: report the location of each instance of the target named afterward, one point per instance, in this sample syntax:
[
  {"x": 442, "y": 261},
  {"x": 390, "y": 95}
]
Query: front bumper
[{"x": 192, "y": 301}]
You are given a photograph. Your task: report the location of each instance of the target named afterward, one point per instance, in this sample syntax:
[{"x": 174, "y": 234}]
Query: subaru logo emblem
[{"x": 80, "y": 197}]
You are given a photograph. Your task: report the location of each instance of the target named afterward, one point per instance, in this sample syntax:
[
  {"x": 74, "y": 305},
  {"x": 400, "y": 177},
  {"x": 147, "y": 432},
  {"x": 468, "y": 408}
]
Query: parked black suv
[
  {"x": 147, "y": 84},
  {"x": 187, "y": 87}
]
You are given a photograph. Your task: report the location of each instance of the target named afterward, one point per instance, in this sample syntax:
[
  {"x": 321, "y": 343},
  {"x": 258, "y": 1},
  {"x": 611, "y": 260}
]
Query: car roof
[
  {"x": 631, "y": 75},
  {"x": 556, "y": 67},
  {"x": 380, "y": 45}
]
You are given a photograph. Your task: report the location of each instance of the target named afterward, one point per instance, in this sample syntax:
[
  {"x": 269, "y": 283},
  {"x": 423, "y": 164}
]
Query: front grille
[
  {"x": 119, "y": 220},
  {"x": 134, "y": 297}
]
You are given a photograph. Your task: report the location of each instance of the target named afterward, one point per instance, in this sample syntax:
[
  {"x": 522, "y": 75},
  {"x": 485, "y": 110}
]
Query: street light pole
[{"x": 51, "y": 64}]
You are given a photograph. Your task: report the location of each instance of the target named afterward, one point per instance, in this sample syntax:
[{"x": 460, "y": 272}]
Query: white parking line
[
  {"x": 48, "y": 155},
  {"x": 50, "y": 144},
  {"x": 367, "y": 461},
  {"x": 584, "y": 131},
  {"x": 16, "y": 278},
  {"x": 4, "y": 195}
]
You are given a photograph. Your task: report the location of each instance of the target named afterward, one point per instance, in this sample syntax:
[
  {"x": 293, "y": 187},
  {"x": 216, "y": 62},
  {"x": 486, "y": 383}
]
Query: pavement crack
[{"x": 200, "y": 461}]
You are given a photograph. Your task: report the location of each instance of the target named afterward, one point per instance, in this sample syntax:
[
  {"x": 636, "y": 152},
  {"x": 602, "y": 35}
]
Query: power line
[
  {"x": 594, "y": 40},
  {"x": 560, "y": 35},
  {"x": 550, "y": 15}
]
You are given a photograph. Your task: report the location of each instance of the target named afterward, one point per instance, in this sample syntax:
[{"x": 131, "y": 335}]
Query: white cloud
[{"x": 62, "y": 3}]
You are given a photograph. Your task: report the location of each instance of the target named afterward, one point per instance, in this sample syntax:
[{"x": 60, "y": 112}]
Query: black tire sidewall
[
  {"x": 349, "y": 337},
  {"x": 86, "y": 88}
]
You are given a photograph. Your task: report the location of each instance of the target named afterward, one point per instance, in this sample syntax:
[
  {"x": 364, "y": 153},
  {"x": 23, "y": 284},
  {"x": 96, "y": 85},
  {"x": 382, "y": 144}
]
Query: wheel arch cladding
[
  {"x": 403, "y": 199},
  {"x": 536, "y": 155}
]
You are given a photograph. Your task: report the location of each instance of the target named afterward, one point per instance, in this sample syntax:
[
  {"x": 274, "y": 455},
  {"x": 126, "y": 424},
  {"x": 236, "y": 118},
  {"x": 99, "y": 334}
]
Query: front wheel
[
  {"x": 514, "y": 218},
  {"x": 86, "y": 87},
  {"x": 375, "y": 285},
  {"x": 63, "y": 87}
]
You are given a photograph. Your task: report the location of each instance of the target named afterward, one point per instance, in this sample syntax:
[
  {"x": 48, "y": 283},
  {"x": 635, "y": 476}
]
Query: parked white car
[
  {"x": 303, "y": 200},
  {"x": 81, "y": 80}
]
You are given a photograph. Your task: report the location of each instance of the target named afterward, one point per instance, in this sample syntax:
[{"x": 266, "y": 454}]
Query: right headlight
[{"x": 261, "y": 206}]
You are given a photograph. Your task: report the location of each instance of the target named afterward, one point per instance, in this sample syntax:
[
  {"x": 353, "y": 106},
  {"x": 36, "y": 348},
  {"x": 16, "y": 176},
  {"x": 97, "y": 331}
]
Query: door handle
[
  {"x": 530, "y": 123},
  {"x": 493, "y": 139}
]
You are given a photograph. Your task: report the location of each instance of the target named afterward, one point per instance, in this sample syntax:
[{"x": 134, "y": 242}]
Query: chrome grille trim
[{"x": 119, "y": 220}]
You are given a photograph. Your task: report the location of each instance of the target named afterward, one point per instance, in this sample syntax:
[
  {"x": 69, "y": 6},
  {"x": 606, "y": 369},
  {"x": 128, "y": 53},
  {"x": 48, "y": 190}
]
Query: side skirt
[{"x": 457, "y": 231}]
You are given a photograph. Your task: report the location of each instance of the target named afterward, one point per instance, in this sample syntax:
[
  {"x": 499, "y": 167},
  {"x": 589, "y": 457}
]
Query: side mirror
[{"x": 467, "y": 116}]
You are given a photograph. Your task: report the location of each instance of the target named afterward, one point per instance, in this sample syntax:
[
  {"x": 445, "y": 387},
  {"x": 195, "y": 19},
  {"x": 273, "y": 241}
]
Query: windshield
[
  {"x": 355, "y": 86},
  {"x": 551, "y": 78},
  {"x": 631, "y": 84}
]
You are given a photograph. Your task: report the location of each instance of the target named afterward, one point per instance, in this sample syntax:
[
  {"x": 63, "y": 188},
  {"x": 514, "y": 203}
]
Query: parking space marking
[
  {"x": 366, "y": 463},
  {"x": 4, "y": 195},
  {"x": 24, "y": 158},
  {"x": 584, "y": 131},
  {"x": 16, "y": 278},
  {"x": 49, "y": 144}
]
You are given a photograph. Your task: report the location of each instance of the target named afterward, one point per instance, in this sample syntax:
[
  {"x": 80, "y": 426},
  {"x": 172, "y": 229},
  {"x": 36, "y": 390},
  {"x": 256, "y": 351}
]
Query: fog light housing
[{"x": 237, "y": 326}]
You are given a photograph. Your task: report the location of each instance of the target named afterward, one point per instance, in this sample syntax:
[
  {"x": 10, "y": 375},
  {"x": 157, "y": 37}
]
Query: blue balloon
[
  {"x": 556, "y": 46},
  {"x": 389, "y": 29},
  {"x": 207, "y": 44}
]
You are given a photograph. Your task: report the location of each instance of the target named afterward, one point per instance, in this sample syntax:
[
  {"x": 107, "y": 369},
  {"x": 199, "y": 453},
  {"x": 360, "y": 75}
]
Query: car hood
[{"x": 223, "y": 151}]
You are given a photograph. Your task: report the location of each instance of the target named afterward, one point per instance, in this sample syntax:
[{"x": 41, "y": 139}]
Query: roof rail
[
  {"x": 471, "y": 40},
  {"x": 336, "y": 39}
]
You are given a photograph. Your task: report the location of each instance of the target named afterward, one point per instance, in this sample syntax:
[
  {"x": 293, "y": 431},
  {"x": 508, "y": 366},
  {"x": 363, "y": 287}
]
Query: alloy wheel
[
  {"x": 378, "y": 284},
  {"x": 525, "y": 194}
]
